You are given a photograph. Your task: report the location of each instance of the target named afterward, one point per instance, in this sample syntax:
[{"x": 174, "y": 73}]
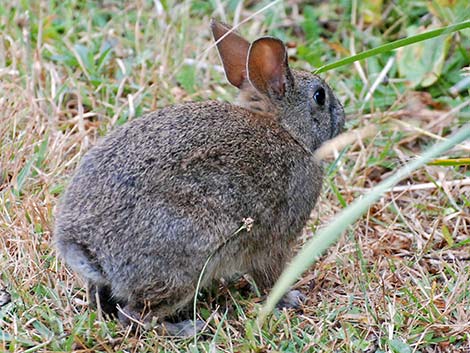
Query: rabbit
[{"x": 159, "y": 196}]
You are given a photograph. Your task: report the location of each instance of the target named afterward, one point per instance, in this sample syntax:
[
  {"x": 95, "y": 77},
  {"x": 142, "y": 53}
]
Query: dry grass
[{"x": 398, "y": 281}]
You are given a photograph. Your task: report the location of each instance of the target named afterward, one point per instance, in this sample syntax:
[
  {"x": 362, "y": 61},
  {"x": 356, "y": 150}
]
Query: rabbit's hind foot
[
  {"x": 185, "y": 328},
  {"x": 100, "y": 296}
]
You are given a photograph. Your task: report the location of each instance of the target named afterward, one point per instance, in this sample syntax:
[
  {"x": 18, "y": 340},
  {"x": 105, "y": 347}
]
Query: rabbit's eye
[{"x": 319, "y": 96}]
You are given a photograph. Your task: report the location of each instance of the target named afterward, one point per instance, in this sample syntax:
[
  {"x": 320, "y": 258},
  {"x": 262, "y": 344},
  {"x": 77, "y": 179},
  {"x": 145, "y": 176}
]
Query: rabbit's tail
[{"x": 81, "y": 261}]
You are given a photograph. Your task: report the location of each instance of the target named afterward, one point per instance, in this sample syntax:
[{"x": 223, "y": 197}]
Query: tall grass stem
[{"x": 331, "y": 233}]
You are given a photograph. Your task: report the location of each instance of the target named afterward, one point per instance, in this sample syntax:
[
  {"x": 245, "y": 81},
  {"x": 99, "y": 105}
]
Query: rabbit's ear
[
  {"x": 233, "y": 50},
  {"x": 267, "y": 66}
]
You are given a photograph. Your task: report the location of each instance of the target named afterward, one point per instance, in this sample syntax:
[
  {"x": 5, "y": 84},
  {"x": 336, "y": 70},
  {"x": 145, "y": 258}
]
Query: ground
[{"x": 399, "y": 278}]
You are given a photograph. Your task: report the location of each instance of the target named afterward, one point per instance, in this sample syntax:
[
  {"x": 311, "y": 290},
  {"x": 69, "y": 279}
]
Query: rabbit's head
[{"x": 302, "y": 102}]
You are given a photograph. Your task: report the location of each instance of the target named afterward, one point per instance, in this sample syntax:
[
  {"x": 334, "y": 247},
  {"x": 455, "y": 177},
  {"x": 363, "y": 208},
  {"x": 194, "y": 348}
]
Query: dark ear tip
[
  {"x": 217, "y": 25},
  {"x": 269, "y": 39},
  {"x": 213, "y": 22},
  {"x": 271, "y": 42},
  {"x": 217, "y": 29}
]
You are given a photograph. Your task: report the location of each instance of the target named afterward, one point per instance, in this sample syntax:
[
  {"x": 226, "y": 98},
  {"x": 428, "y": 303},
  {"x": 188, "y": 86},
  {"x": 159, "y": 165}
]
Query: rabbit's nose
[
  {"x": 337, "y": 121},
  {"x": 334, "y": 127}
]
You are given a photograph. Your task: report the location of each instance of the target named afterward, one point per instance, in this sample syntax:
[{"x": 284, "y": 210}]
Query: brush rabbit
[{"x": 159, "y": 195}]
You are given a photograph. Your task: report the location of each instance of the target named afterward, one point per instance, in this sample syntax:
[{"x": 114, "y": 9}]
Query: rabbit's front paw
[
  {"x": 292, "y": 300},
  {"x": 186, "y": 328}
]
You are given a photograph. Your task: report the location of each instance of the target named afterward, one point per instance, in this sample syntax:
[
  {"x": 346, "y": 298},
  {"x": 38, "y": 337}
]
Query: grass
[
  {"x": 312, "y": 250},
  {"x": 398, "y": 280}
]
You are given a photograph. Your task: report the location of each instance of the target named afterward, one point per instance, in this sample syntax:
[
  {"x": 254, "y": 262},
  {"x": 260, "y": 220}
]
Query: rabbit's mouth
[{"x": 338, "y": 119}]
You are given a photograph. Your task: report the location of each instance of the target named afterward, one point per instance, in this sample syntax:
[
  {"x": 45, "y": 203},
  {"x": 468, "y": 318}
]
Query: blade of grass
[
  {"x": 22, "y": 175},
  {"x": 395, "y": 45},
  {"x": 330, "y": 234},
  {"x": 246, "y": 226},
  {"x": 451, "y": 162}
]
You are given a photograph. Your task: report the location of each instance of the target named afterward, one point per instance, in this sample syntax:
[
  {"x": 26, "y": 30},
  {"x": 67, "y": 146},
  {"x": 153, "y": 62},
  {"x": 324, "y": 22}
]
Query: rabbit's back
[{"x": 166, "y": 190}]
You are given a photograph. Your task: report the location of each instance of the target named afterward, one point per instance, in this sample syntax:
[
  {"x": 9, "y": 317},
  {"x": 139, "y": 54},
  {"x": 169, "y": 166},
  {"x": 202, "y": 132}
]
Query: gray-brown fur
[{"x": 156, "y": 197}]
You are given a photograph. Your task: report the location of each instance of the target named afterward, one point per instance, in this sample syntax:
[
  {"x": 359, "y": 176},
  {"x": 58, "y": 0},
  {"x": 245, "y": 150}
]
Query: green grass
[{"x": 399, "y": 278}]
